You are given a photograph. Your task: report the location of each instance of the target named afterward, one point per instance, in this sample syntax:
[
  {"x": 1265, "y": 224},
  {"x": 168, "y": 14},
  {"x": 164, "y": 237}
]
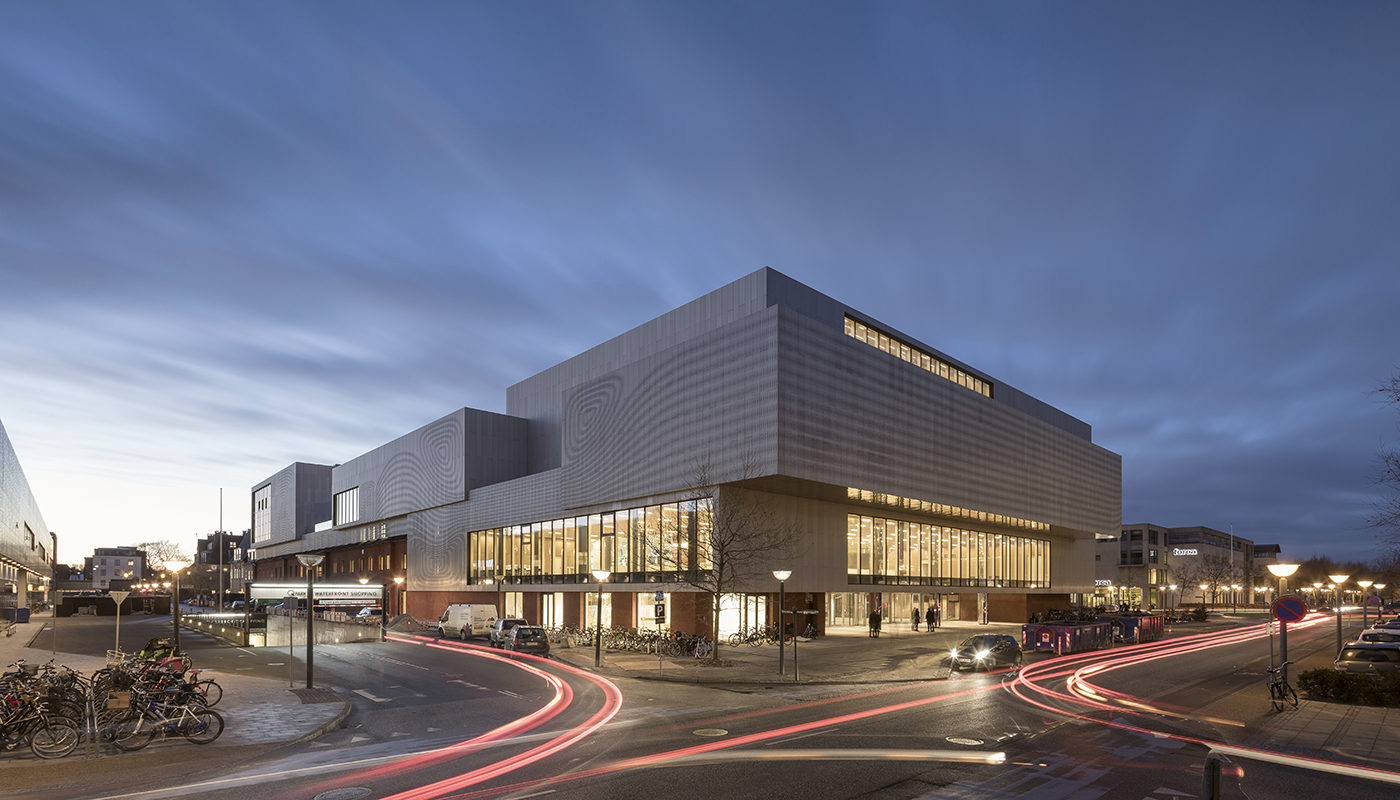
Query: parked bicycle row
[
  {"x": 52, "y": 709},
  {"x": 673, "y": 644}
]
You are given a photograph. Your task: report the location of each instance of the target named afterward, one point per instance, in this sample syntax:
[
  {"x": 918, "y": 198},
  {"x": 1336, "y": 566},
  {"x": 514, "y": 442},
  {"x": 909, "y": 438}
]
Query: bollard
[{"x": 1210, "y": 779}]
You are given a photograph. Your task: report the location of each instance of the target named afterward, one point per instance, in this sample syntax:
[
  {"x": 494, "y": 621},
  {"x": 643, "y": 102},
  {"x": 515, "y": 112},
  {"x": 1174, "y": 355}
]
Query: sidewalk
[{"x": 256, "y": 711}]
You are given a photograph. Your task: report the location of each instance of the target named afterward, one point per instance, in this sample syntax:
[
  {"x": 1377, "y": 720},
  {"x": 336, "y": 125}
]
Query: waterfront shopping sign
[{"x": 329, "y": 594}]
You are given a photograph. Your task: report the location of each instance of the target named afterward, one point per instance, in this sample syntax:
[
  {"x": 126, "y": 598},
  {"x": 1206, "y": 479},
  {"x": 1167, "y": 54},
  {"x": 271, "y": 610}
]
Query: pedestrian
[
  {"x": 875, "y": 624},
  {"x": 937, "y": 613},
  {"x": 917, "y": 618}
]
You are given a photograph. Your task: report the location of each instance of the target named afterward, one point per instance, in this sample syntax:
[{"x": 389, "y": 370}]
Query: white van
[{"x": 466, "y": 619}]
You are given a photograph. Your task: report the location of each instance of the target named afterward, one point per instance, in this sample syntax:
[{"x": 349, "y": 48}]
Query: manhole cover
[
  {"x": 347, "y": 793},
  {"x": 964, "y": 740},
  {"x": 711, "y": 732}
]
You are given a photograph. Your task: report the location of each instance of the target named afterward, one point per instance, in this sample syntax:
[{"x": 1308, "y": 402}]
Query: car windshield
[
  {"x": 1369, "y": 654},
  {"x": 981, "y": 642},
  {"x": 529, "y": 633}
]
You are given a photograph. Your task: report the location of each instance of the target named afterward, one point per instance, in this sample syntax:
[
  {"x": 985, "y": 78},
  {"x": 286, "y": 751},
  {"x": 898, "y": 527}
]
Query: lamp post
[
  {"x": 1234, "y": 598},
  {"x": 1172, "y": 587},
  {"x": 599, "y": 575},
  {"x": 1339, "y": 579},
  {"x": 175, "y": 565},
  {"x": 310, "y": 561},
  {"x": 402, "y": 598},
  {"x": 1281, "y": 571},
  {"x": 1364, "y": 584},
  {"x": 781, "y": 575},
  {"x": 1203, "y": 596}
]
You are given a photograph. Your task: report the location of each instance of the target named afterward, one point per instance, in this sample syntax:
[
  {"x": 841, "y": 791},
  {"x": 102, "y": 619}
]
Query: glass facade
[
  {"x": 890, "y": 552},
  {"x": 663, "y": 542},
  {"x": 915, "y": 356}
]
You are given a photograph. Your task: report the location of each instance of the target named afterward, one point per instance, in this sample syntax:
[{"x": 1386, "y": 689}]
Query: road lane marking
[{"x": 368, "y": 696}]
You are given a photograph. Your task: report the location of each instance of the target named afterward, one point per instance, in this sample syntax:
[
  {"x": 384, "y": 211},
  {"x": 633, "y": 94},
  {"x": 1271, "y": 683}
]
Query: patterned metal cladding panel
[
  {"x": 420, "y": 470},
  {"x": 852, "y": 415},
  {"x": 643, "y": 429}
]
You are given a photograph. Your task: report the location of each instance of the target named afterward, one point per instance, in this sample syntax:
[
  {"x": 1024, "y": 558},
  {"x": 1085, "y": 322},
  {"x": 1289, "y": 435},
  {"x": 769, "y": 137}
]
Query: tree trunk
[{"x": 714, "y": 627}]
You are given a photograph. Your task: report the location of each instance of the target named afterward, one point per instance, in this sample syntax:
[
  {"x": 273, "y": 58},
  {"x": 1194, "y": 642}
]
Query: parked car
[
  {"x": 528, "y": 639},
  {"x": 497, "y": 636},
  {"x": 986, "y": 651},
  {"x": 1369, "y": 658},
  {"x": 1374, "y": 635}
]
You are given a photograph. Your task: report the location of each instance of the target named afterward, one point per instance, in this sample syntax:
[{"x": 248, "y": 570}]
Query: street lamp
[
  {"x": 1203, "y": 595},
  {"x": 310, "y": 561},
  {"x": 1339, "y": 579},
  {"x": 175, "y": 565},
  {"x": 1234, "y": 598},
  {"x": 1281, "y": 571},
  {"x": 1364, "y": 584},
  {"x": 599, "y": 575},
  {"x": 1172, "y": 587},
  {"x": 781, "y": 575},
  {"x": 398, "y": 589}
]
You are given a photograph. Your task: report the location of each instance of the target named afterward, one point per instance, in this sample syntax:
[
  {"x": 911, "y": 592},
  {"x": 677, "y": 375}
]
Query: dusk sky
[{"x": 238, "y": 235}]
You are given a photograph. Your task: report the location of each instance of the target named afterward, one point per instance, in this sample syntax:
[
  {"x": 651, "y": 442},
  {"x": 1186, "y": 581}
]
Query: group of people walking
[{"x": 917, "y": 617}]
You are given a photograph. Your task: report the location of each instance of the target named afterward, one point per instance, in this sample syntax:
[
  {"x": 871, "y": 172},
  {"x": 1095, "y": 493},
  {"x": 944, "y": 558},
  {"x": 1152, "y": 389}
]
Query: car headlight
[
  {"x": 981, "y": 654},
  {"x": 953, "y": 653}
]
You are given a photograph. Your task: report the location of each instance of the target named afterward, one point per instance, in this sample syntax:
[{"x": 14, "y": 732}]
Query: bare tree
[
  {"x": 160, "y": 551},
  {"x": 1213, "y": 571},
  {"x": 739, "y": 539}
]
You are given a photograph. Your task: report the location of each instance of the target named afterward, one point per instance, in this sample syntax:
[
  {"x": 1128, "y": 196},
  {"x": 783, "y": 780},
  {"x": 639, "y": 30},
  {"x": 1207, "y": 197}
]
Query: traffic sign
[
  {"x": 660, "y": 595},
  {"x": 1373, "y": 600},
  {"x": 1289, "y": 608},
  {"x": 660, "y": 613}
]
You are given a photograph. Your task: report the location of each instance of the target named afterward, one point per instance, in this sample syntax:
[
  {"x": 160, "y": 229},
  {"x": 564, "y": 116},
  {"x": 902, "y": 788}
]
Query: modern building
[
  {"x": 907, "y": 479},
  {"x": 122, "y": 565},
  {"x": 27, "y": 547},
  {"x": 1139, "y": 567},
  {"x": 209, "y": 564}
]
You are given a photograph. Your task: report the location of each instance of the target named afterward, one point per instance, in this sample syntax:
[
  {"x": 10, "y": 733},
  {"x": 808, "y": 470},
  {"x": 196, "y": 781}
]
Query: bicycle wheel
[
  {"x": 1276, "y": 696},
  {"x": 201, "y": 725},
  {"x": 55, "y": 739},
  {"x": 211, "y": 691},
  {"x": 133, "y": 732},
  {"x": 1290, "y": 696}
]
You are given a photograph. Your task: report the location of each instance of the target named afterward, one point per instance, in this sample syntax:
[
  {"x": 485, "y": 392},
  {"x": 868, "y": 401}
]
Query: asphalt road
[{"x": 968, "y": 736}]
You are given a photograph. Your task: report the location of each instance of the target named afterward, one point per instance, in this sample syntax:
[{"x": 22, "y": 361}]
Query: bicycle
[
  {"x": 175, "y": 713},
  {"x": 1280, "y": 692}
]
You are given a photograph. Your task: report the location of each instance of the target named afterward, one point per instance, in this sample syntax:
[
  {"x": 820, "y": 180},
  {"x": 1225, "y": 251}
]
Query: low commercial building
[
  {"x": 882, "y": 473},
  {"x": 1139, "y": 567}
]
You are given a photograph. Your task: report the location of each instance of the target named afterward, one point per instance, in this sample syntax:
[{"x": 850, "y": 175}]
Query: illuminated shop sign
[
  {"x": 1183, "y": 551},
  {"x": 1102, "y": 582}
]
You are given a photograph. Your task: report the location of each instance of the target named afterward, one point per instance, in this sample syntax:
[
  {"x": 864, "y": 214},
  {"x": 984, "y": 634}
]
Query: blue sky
[{"x": 237, "y": 235}]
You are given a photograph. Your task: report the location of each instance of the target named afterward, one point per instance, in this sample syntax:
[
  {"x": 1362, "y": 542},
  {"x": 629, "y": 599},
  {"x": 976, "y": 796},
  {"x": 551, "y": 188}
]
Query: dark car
[
  {"x": 528, "y": 639},
  {"x": 1368, "y": 658},
  {"x": 986, "y": 651}
]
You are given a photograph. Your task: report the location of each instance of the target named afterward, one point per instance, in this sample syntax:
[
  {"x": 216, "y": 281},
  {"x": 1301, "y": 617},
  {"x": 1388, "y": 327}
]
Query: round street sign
[
  {"x": 1373, "y": 600},
  {"x": 1289, "y": 608}
]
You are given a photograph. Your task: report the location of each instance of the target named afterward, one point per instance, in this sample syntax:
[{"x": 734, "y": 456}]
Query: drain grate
[
  {"x": 711, "y": 732},
  {"x": 963, "y": 740}
]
